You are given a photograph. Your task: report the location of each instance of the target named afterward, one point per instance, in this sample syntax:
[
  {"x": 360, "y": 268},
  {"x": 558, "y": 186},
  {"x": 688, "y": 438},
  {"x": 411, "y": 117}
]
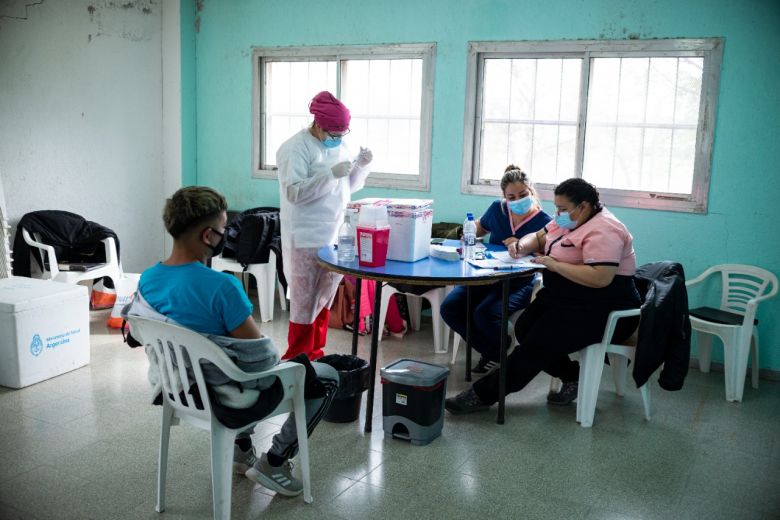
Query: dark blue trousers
[{"x": 485, "y": 312}]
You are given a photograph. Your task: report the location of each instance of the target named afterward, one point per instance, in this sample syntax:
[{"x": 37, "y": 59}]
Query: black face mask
[{"x": 217, "y": 249}]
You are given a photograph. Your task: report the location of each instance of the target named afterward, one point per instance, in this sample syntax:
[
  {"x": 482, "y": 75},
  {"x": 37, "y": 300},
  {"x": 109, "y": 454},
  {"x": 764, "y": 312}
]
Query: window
[
  {"x": 633, "y": 117},
  {"x": 389, "y": 92}
]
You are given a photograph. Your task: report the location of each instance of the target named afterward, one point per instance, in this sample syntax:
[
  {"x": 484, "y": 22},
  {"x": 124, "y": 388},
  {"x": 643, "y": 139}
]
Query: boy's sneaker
[
  {"x": 484, "y": 366},
  {"x": 567, "y": 394},
  {"x": 243, "y": 460},
  {"x": 465, "y": 402},
  {"x": 275, "y": 478}
]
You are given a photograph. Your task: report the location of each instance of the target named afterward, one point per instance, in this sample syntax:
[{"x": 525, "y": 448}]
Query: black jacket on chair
[
  {"x": 252, "y": 234},
  {"x": 74, "y": 238},
  {"x": 664, "y": 326}
]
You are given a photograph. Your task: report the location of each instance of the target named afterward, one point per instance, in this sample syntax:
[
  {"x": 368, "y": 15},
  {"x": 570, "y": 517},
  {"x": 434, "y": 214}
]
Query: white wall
[
  {"x": 171, "y": 100},
  {"x": 81, "y": 115}
]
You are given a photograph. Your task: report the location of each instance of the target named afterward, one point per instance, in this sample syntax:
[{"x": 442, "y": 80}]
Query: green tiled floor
[{"x": 84, "y": 445}]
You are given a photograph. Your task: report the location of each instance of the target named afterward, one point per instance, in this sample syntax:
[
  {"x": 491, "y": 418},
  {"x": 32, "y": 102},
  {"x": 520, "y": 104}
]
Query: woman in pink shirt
[{"x": 589, "y": 263}]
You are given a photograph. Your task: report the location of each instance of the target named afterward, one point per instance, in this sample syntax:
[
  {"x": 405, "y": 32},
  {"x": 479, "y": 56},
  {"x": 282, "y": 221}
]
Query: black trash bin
[{"x": 353, "y": 381}]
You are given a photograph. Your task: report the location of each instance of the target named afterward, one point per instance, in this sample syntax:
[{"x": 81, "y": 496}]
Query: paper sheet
[{"x": 502, "y": 261}]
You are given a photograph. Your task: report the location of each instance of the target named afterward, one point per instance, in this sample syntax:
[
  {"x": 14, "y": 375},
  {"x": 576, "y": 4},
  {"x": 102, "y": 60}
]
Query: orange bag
[
  {"x": 102, "y": 297},
  {"x": 342, "y": 310}
]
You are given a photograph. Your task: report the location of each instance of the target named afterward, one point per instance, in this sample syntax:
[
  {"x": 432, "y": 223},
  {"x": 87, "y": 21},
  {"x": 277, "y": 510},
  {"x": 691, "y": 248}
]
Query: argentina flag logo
[{"x": 36, "y": 347}]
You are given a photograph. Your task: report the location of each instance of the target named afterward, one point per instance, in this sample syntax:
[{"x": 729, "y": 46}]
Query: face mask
[
  {"x": 564, "y": 220},
  {"x": 217, "y": 249},
  {"x": 331, "y": 142},
  {"x": 521, "y": 206}
]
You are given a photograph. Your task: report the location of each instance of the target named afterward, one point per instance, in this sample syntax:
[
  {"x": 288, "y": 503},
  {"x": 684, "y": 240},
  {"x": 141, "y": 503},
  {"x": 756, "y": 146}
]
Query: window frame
[
  {"x": 710, "y": 49},
  {"x": 424, "y": 51}
]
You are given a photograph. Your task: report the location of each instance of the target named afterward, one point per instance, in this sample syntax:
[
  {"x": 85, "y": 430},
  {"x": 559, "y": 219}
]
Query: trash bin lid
[{"x": 414, "y": 373}]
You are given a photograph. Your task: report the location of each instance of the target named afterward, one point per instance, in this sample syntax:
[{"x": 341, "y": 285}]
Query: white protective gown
[{"x": 311, "y": 203}]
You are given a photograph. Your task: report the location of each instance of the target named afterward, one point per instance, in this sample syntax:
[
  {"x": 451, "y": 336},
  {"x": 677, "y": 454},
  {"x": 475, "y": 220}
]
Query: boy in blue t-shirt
[{"x": 206, "y": 301}]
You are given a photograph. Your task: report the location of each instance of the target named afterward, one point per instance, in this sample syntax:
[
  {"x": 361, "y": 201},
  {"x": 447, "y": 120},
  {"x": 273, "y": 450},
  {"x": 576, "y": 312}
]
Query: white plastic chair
[
  {"x": 592, "y": 366},
  {"x": 111, "y": 268},
  {"x": 512, "y": 320},
  {"x": 171, "y": 343},
  {"x": 265, "y": 276},
  {"x": 414, "y": 302},
  {"x": 743, "y": 288}
]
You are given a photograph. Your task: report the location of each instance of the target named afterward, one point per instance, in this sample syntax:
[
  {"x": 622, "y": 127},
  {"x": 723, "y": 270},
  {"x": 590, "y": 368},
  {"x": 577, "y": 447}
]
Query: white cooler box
[
  {"x": 44, "y": 330},
  {"x": 410, "y": 222}
]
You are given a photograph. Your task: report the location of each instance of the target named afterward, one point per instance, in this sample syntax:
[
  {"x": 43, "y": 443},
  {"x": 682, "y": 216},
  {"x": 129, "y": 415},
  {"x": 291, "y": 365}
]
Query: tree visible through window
[
  {"x": 643, "y": 114},
  {"x": 387, "y": 89},
  {"x": 634, "y": 118},
  {"x": 530, "y": 117}
]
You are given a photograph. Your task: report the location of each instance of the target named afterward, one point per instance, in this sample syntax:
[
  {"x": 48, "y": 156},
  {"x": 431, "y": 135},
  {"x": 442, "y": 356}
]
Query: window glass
[
  {"x": 641, "y": 124},
  {"x": 384, "y": 98},
  {"x": 290, "y": 85},
  {"x": 529, "y": 117},
  {"x": 635, "y": 118},
  {"x": 388, "y": 90}
]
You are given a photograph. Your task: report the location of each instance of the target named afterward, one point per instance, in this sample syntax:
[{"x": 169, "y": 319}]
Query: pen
[{"x": 505, "y": 268}]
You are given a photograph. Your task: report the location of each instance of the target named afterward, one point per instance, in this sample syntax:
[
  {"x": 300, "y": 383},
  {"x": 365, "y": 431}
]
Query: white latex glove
[
  {"x": 365, "y": 157},
  {"x": 341, "y": 169}
]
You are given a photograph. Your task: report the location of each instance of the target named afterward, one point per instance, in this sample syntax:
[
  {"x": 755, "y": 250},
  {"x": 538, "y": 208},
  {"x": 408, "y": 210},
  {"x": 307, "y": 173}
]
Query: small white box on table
[
  {"x": 44, "y": 330},
  {"x": 410, "y": 220}
]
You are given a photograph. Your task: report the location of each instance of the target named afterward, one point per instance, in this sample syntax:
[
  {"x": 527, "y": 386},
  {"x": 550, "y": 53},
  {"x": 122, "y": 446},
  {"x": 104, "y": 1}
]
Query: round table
[{"x": 427, "y": 271}]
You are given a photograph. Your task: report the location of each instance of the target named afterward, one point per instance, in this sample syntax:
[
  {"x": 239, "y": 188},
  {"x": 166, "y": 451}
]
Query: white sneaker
[
  {"x": 275, "y": 478},
  {"x": 484, "y": 366},
  {"x": 243, "y": 460}
]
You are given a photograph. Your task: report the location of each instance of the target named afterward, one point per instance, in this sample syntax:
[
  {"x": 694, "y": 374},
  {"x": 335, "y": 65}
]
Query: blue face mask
[
  {"x": 331, "y": 142},
  {"x": 521, "y": 206},
  {"x": 564, "y": 220}
]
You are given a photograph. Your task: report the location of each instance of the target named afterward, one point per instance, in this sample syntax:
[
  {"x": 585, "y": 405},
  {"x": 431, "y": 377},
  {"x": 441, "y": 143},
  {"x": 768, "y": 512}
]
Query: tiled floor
[{"x": 84, "y": 445}]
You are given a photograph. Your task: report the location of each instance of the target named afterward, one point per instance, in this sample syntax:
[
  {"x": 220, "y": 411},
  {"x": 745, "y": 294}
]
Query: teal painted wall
[{"x": 744, "y": 194}]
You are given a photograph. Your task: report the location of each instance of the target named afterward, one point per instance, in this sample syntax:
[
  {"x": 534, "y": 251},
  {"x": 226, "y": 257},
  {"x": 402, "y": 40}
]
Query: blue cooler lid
[{"x": 414, "y": 373}]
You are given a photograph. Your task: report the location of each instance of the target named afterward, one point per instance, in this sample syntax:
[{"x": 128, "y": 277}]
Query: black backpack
[{"x": 252, "y": 234}]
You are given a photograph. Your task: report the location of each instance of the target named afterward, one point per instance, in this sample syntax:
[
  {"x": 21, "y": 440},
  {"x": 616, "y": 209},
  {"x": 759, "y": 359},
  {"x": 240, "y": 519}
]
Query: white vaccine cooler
[{"x": 44, "y": 330}]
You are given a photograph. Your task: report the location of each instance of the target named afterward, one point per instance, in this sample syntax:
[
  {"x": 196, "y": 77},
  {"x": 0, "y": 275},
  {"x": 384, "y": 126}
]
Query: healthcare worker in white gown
[{"x": 317, "y": 175}]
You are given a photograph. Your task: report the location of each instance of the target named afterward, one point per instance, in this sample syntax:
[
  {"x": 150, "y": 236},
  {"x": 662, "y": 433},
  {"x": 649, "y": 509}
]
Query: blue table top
[{"x": 425, "y": 271}]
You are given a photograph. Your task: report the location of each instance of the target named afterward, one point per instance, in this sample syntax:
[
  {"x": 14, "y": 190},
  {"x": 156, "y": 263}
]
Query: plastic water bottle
[
  {"x": 469, "y": 237},
  {"x": 346, "y": 251}
]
